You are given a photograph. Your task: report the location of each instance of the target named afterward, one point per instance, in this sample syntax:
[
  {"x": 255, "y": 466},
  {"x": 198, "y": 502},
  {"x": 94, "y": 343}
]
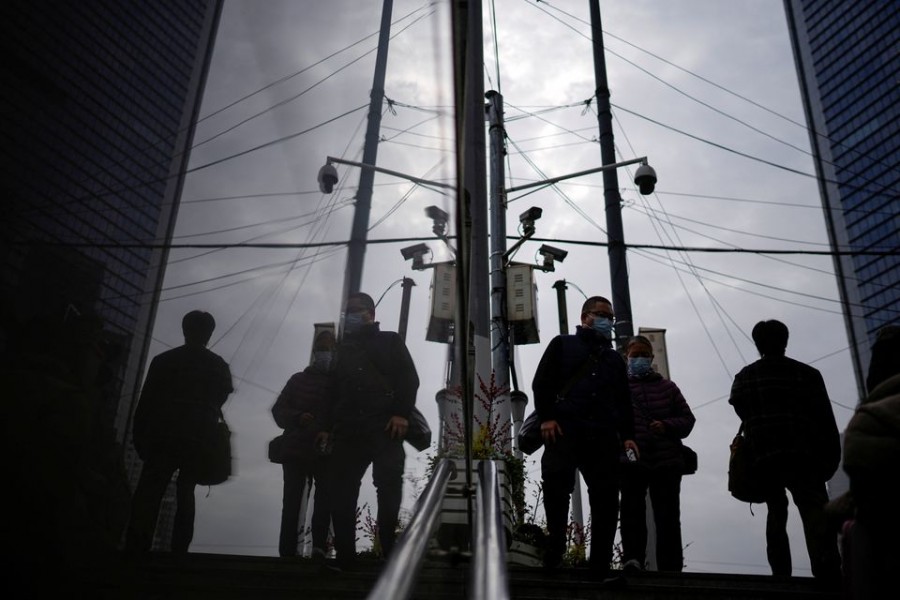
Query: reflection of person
[
  {"x": 871, "y": 455},
  {"x": 301, "y": 411},
  {"x": 581, "y": 395},
  {"x": 177, "y": 413},
  {"x": 376, "y": 383},
  {"x": 792, "y": 434},
  {"x": 662, "y": 418}
]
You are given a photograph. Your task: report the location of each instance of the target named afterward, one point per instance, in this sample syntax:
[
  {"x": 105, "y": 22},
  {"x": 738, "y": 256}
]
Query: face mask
[
  {"x": 603, "y": 326},
  {"x": 354, "y": 321},
  {"x": 639, "y": 366},
  {"x": 322, "y": 359}
]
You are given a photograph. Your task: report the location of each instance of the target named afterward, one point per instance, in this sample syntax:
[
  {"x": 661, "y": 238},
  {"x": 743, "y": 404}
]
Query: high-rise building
[
  {"x": 99, "y": 104},
  {"x": 846, "y": 53}
]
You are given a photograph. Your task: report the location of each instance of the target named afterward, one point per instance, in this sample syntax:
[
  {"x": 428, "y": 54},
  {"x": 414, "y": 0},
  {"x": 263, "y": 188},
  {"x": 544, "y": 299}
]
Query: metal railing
[
  {"x": 487, "y": 574},
  {"x": 405, "y": 562}
]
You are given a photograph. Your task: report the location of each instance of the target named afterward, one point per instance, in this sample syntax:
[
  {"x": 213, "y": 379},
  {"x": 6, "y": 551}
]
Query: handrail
[
  {"x": 399, "y": 575},
  {"x": 488, "y": 577}
]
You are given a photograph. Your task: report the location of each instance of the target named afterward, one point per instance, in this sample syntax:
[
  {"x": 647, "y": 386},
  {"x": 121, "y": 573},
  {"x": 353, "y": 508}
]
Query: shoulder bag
[
  {"x": 213, "y": 463},
  {"x": 745, "y": 482}
]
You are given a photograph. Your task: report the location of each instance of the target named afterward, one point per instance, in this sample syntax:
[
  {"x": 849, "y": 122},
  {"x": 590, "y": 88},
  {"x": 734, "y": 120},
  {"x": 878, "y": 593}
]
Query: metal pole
[
  {"x": 356, "y": 248},
  {"x": 407, "y": 286},
  {"x": 500, "y": 330},
  {"x": 618, "y": 268},
  {"x": 577, "y": 503}
]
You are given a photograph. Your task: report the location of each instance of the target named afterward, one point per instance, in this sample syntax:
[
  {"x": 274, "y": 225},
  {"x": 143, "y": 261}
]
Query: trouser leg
[
  {"x": 665, "y": 498},
  {"x": 154, "y": 480},
  {"x": 634, "y": 517},
  {"x": 183, "y": 526},
  {"x": 778, "y": 549},
  {"x": 387, "y": 475},
  {"x": 821, "y": 541},
  {"x": 294, "y": 478},
  {"x": 321, "y": 518},
  {"x": 558, "y": 483},
  {"x": 349, "y": 465}
]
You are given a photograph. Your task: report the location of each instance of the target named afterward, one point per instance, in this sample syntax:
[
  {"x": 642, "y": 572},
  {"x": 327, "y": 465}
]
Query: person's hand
[
  {"x": 306, "y": 418},
  {"x": 549, "y": 431},
  {"x": 658, "y": 427},
  {"x": 397, "y": 427},
  {"x": 321, "y": 438},
  {"x": 631, "y": 444}
]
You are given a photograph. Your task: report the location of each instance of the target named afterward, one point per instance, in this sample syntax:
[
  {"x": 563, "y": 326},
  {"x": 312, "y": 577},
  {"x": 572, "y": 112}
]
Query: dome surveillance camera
[
  {"x": 645, "y": 178},
  {"x": 327, "y": 178}
]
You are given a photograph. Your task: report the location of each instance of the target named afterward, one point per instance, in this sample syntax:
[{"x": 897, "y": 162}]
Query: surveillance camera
[
  {"x": 645, "y": 178},
  {"x": 436, "y": 214},
  {"x": 327, "y": 178},
  {"x": 414, "y": 252},
  {"x": 531, "y": 215},
  {"x": 553, "y": 253}
]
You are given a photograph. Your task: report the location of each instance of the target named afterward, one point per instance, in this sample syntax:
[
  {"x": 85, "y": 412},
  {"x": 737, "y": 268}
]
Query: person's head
[
  {"x": 323, "y": 350},
  {"x": 197, "y": 327},
  {"x": 639, "y": 351},
  {"x": 770, "y": 337},
  {"x": 885, "y": 361},
  {"x": 597, "y": 314},
  {"x": 358, "y": 311}
]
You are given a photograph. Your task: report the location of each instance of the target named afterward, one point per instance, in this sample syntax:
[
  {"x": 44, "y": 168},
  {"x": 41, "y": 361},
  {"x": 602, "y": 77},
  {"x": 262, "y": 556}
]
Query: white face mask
[
  {"x": 322, "y": 359},
  {"x": 353, "y": 321}
]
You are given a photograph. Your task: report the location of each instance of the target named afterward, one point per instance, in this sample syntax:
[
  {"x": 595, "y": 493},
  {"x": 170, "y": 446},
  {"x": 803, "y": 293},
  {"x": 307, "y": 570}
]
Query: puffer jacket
[
  {"x": 310, "y": 391},
  {"x": 658, "y": 399}
]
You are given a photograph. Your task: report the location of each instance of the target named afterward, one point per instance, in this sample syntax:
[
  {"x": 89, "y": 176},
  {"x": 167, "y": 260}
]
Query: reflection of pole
[
  {"x": 618, "y": 268},
  {"x": 560, "y": 287},
  {"x": 407, "y": 286},
  {"x": 500, "y": 329},
  {"x": 356, "y": 248}
]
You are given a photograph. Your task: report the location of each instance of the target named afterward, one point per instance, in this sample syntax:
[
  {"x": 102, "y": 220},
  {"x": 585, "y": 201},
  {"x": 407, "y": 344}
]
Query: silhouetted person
[
  {"x": 581, "y": 394},
  {"x": 376, "y": 390},
  {"x": 662, "y": 418},
  {"x": 301, "y": 410},
  {"x": 793, "y": 437},
  {"x": 871, "y": 456},
  {"x": 177, "y": 413}
]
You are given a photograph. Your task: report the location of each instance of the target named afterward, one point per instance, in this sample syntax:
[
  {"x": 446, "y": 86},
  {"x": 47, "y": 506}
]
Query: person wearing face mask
[
  {"x": 376, "y": 384},
  {"x": 301, "y": 410},
  {"x": 662, "y": 418},
  {"x": 582, "y": 398}
]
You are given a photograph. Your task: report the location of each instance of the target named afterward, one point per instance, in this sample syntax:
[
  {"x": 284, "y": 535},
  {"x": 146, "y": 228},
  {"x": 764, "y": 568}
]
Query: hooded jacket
[{"x": 658, "y": 399}]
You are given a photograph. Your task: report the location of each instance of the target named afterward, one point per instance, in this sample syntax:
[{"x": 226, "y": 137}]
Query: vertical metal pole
[
  {"x": 356, "y": 248},
  {"x": 577, "y": 502},
  {"x": 618, "y": 267},
  {"x": 407, "y": 286},
  {"x": 500, "y": 329}
]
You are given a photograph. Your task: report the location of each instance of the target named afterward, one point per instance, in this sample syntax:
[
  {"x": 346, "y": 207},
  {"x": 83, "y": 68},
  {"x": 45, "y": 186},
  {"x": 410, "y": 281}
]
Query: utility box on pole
[
  {"x": 443, "y": 303},
  {"x": 521, "y": 304}
]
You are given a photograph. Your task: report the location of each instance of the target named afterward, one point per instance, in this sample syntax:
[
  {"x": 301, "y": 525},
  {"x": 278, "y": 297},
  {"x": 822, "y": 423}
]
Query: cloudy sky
[{"x": 706, "y": 89}]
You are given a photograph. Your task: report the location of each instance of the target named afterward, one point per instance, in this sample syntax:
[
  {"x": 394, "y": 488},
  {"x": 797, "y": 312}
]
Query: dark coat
[
  {"x": 310, "y": 391},
  {"x": 787, "y": 415},
  {"x": 375, "y": 379},
  {"x": 181, "y": 401},
  {"x": 657, "y": 399},
  {"x": 599, "y": 401}
]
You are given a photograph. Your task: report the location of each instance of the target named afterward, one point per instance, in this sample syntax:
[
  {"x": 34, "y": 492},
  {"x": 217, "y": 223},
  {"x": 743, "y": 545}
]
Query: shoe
[{"x": 632, "y": 566}]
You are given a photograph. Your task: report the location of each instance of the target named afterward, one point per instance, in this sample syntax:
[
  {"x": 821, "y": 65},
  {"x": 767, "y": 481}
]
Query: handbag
[
  {"x": 418, "y": 434},
  {"x": 530, "y": 438},
  {"x": 745, "y": 481},
  {"x": 213, "y": 463},
  {"x": 689, "y": 458}
]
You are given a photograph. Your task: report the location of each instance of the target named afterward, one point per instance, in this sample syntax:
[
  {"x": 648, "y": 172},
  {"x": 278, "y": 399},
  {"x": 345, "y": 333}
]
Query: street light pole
[
  {"x": 500, "y": 349},
  {"x": 356, "y": 249},
  {"x": 618, "y": 267}
]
